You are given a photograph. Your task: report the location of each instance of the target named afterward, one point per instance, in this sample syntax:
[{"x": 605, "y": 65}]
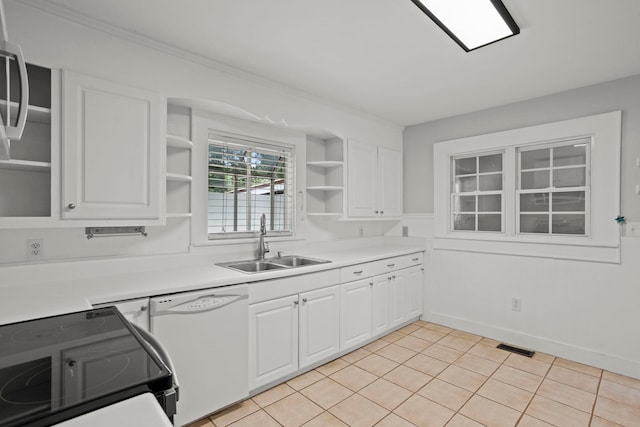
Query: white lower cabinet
[
  {"x": 414, "y": 284},
  {"x": 381, "y": 286},
  {"x": 135, "y": 311},
  {"x": 273, "y": 340},
  {"x": 319, "y": 325},
  {"x": 355, "y": 313},
  {"x": 397, "y": 299},
  {"x": 405, "y": 294},
  {"x": 290, "y": 333}
]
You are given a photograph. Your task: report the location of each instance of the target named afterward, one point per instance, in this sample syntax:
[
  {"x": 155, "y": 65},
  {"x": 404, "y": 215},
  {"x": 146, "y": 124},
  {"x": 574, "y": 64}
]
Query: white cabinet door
[
  {"x": 319, "y": 325},
  {"x": 273, "y": 340},
  {"x": 380, "y": 304},
  {"x": 374, "y": 181},
  {"x": 362, "y": 180},
  {"x": 414, "y": 284},
  {"x": 389, "y": 182},
  {"x": 135, "y": 311},
  {"x": 113, "y": 142},
  {"x": 355, "y": 313},
  {"x": 397, "y": 299}
]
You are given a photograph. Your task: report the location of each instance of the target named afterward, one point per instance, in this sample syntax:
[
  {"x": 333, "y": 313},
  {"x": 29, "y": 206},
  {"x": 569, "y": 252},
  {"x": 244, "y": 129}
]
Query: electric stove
[{"x": 56, "y": 368}]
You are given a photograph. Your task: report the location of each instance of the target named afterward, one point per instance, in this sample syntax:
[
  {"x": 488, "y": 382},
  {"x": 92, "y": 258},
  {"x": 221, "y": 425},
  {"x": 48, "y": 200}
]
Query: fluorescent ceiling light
[{"x": 471, "y": 23}]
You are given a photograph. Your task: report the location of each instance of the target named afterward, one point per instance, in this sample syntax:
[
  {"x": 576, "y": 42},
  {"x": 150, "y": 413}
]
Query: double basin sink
[{"x": 260, "y": 265}]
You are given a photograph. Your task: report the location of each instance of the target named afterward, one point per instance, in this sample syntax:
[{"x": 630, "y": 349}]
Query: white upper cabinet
[
  {"x": 362, "y": 181},
  {"x": 374, "y": 181},
  {"x": 389, "y": 182},
  {"x": 112, "y": 151}
]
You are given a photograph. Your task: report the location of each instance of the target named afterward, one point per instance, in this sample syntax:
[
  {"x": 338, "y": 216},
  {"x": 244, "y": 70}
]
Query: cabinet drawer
[
  {"x": 277, "y": 288},
  {"x": 410, "y": 260},
  {"x": 400, "y": 262},
  {"x": 361, "y": 271}
]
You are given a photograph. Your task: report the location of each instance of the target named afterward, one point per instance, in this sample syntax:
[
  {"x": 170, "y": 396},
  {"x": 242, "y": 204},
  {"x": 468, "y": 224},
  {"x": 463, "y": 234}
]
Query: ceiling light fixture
[{"x": 471, "y": 23}]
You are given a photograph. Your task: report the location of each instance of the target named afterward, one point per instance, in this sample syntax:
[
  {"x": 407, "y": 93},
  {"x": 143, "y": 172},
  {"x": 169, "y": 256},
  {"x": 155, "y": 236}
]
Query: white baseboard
[{"x": 587, "y": 356}]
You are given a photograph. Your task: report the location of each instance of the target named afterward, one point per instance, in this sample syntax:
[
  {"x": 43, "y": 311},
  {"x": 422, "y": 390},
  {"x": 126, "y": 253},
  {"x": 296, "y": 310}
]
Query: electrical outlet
[
  {"x": 405, "y": 231},
  {"x": 632, "y": 229},
  {"x": 35, "y": 249},
  {"x": 516, "y": 304}
]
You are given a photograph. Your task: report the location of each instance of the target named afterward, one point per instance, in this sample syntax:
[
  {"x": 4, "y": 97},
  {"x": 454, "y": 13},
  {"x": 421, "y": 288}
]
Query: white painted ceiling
[{"x": 385, "y": 57}]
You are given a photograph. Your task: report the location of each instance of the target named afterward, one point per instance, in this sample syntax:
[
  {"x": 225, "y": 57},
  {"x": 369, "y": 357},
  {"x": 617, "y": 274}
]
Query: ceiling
[{"x": 385, "y": 57}]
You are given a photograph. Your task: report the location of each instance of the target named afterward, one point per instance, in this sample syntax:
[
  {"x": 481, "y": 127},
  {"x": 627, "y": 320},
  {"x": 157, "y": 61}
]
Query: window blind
[{"x": 248, "y": 179}]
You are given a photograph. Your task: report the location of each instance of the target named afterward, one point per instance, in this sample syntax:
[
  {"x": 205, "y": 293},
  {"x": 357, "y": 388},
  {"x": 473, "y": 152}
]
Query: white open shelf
[
  {"x": 178, "y": 177},
  {"x": 325, "y": 188},
  {"x": 34, "y": 113},
  {"x": 327, "y": 164},
  {"x": 179, "y": 142}
]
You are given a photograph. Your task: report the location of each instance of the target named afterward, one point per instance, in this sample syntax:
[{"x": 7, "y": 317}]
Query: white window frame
[
  {"x": 205, "y": 123},
  {"x": 477, "y": 192},
  {"x": 256, "y": 145},
  {"x": 601, "y": 244},
  {"x": 552, "y": 189}
]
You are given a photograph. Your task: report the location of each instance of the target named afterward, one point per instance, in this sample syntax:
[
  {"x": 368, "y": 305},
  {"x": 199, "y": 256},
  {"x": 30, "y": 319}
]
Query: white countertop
[{"x": 26, "y": 292}]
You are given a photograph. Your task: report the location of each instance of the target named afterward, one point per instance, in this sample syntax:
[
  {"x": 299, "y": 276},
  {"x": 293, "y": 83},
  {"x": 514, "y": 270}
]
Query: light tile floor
[{"x": 430, "y": 375}]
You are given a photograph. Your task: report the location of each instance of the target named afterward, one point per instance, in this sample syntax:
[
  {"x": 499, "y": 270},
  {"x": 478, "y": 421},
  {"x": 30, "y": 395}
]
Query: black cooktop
[{"x": 56, "y": 368}]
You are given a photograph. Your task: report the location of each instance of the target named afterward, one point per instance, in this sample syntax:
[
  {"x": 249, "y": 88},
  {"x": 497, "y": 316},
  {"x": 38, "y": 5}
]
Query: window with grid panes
[
  {"x": 477, "y": 193},
  {"x": 248, "y": 179},
  {"x": 553, "y": 191},
  {"x": 561, "y": 190}
]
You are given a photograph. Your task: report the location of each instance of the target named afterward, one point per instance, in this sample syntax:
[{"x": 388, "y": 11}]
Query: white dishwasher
[{"x": 206, "y": 334}]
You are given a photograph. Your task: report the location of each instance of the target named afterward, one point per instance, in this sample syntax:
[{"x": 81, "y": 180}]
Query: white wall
[
  {"x": 55, "y": 42},
  {"x": 585, "y": 311}
]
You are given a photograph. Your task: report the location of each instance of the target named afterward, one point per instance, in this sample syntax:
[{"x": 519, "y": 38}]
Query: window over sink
[{"x": 248, "y": 177}]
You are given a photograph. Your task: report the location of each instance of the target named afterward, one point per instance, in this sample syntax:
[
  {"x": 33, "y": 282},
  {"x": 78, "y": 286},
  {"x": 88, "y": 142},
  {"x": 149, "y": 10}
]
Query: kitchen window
[
  {"x": 553, "y": 191},
  {"x": 477, "y": 193},
  {"x": 248, "y": 178},
  {"x": 550, "y": 190}
]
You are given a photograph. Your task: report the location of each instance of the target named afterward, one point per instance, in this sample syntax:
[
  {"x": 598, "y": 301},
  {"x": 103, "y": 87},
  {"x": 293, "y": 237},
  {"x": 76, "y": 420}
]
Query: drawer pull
[
  {"x": 415, "y": 259},
  {"x": 358, "y": 272},
  {"x": 391, "y": 265}
]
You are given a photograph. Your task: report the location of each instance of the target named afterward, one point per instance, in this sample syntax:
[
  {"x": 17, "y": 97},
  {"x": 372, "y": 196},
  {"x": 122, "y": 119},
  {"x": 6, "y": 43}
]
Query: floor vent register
[{"x": 520, "y": 351}]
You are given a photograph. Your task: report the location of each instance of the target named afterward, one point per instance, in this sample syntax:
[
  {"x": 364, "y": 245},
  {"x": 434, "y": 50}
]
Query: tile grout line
[
  {"x": 595, "y": 401},
  {"x": 535, "y": 393}
]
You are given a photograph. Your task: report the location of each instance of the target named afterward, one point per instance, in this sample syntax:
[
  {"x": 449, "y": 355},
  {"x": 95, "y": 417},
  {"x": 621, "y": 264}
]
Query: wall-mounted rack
[{"x": 92, "y": 232}]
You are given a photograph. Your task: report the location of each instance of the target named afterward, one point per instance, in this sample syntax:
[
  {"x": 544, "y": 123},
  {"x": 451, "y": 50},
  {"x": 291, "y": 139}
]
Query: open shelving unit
[
  {"x": 27, "y": 178},
  {"x": 325, "y": 177},
  {"x": 179, "y": 158}
]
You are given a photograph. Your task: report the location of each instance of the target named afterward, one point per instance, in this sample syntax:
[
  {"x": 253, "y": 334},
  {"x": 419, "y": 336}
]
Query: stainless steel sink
[
  {"x": 256, "y": 266},
  {"x": 252, "y": 266},
  {"x": 297, "y": 261}
]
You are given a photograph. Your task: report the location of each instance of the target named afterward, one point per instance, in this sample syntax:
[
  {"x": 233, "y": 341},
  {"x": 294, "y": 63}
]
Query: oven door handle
[{"x": 162, "y": 354}]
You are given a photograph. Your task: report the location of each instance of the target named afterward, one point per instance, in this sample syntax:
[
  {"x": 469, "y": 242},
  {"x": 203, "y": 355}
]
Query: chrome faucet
[{"x": 263, "y": 247}]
